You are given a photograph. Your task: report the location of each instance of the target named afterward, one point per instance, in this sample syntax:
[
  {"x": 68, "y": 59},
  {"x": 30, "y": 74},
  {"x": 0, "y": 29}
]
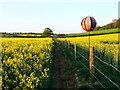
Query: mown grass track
[{"x": 64, "y": 78}]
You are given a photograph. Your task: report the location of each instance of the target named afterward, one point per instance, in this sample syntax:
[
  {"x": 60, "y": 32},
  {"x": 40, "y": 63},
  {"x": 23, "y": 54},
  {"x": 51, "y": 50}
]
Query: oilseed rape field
[
  {"x": 36, "y": 63},
  {"x": 26, "y": 63},
  {"x": 106, "y": 57},
  {"x": 105, "y": 44}
]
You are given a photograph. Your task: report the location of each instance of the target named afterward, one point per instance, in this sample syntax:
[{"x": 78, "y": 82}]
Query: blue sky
[{"x": 61, "y": 17}]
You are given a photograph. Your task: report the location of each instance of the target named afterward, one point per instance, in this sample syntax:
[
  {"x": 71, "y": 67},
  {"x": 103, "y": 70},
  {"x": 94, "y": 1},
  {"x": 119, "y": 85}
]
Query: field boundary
[{"x": 91, "y": 62}]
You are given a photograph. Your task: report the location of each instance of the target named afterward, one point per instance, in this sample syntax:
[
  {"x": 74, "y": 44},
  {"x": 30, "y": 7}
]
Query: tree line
[{"x": 114, "y": 24}]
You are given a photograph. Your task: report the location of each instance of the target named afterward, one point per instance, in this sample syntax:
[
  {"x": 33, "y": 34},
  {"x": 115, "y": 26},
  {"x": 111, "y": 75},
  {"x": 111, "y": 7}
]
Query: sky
[{"x": 62, "y": 16}]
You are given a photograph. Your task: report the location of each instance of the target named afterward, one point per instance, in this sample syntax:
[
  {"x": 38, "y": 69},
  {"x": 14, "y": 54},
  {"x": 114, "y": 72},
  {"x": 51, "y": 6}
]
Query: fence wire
[
  {"x": 102, "y": 73},
  {"x": 93, "y": 75},
  {"x": 108, "y": 64},
  {"x": 99, "y": 70}
]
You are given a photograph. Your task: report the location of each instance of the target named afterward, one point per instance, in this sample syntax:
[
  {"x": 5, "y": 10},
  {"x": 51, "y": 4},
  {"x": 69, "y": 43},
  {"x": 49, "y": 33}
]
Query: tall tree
[{"x": 47, "y": 32}]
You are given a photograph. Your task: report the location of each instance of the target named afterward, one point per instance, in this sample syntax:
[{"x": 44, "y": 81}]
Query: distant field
[
  {"x": 39, "y": 35},
  {"x": 28, "y": 34},
  {"x": 99, "y": 32}
]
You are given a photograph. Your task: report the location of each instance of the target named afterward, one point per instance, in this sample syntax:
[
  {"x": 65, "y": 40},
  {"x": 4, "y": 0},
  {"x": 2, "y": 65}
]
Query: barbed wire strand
[
  {"x": 93, "y": 75},
  {"x": 106, "y": 77},
  {"x": 103, "y": 74},
  {"x": 107, "y": 63},
  {"x": 89, "y": 70},
  {"x": 104, "y": 61}
]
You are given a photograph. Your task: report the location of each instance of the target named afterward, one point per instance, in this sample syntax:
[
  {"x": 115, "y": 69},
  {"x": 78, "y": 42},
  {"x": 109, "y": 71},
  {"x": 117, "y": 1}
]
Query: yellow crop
[
  {"x": 102, "y": 43},
  {"x": 26, "y": 62}
]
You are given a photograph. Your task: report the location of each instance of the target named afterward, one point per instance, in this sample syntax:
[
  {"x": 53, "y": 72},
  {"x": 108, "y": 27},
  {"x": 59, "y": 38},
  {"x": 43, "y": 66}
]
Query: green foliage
[
  {"x": 114, "y": 24},
  {"x": 47, "y": 32},
  {"x": 92, "y": 33}
]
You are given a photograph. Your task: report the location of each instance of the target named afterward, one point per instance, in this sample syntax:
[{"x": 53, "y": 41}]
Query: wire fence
[
  {"x": 102, "y": 73},
  {"x": 97, "y": 58},
  {"x": 108, "y": 64},
  {"x": 93, "y": 75}
]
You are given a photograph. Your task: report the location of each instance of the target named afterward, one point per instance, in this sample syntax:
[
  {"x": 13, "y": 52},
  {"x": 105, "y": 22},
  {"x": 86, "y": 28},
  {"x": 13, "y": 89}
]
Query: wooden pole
[
  {"x": 68, "y": 44},
  {"x": 89, "y": 39},
  {"x": 75, "y": 49},
  {"x": 119, "y": 52},
  {"x": 119, "y": 55},
  {"x": 91, "y": 57},
  {"x": 65, "y": 42},
  {"x": 119, "y": 58}
]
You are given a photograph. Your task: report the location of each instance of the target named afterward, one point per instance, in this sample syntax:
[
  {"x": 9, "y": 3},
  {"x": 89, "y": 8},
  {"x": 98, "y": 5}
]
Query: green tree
[
  {"x": 97, "y": 28},
  {"x": 47, "y": 32},
  {"x": 118, "y": 23}
]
